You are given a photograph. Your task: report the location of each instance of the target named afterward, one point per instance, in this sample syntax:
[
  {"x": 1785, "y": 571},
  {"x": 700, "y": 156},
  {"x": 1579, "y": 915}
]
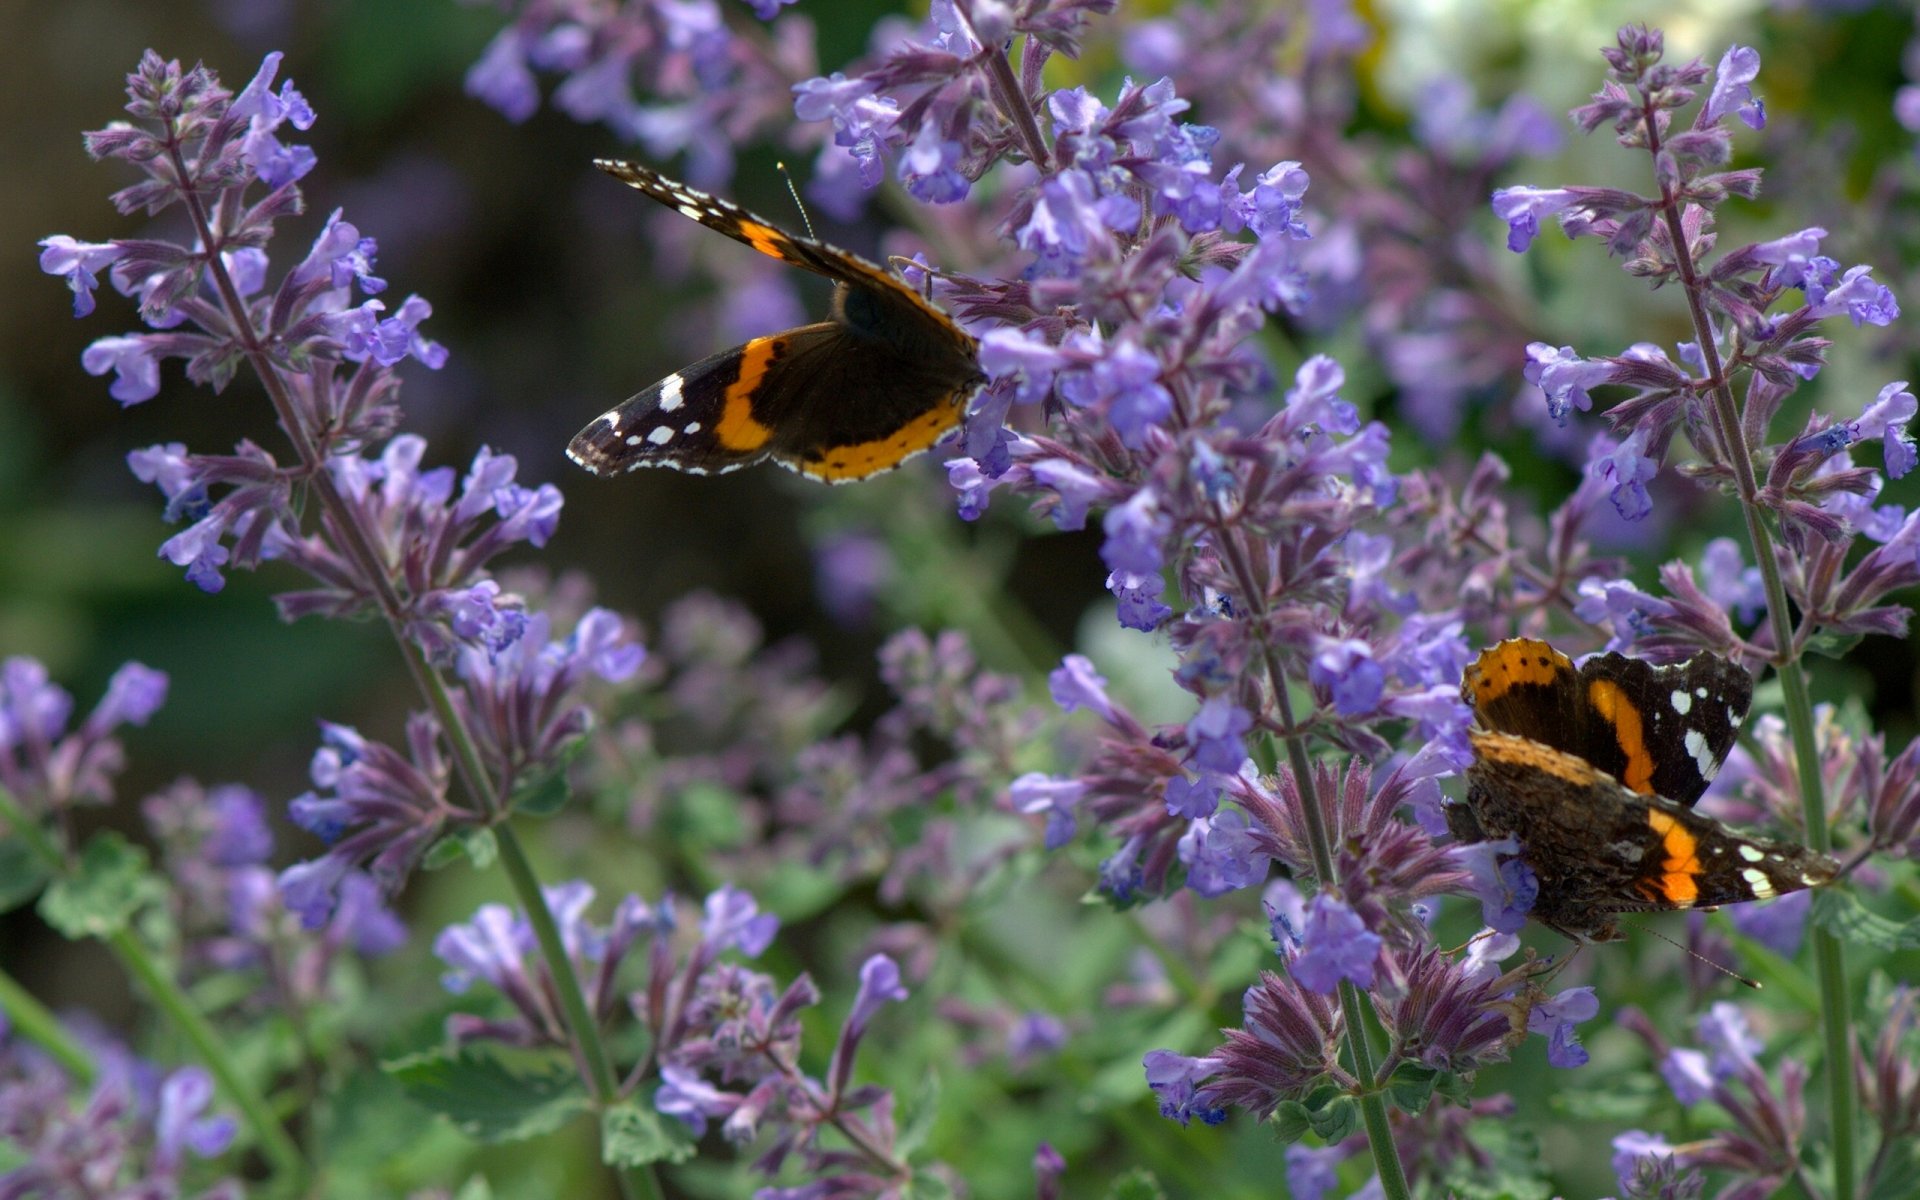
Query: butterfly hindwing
[{"x": 706, "y": 419}]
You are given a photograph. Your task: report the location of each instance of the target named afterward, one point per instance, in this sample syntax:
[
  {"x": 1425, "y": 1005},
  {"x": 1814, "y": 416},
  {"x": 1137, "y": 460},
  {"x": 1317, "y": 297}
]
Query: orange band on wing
[
  {"x": 1628, "y": 731},
  {"x": 1679, "y": 881},
  {"x": 737, "y": 430},
  {"x": 764, "y": 239},
  {"x": 882, "y": 454}
]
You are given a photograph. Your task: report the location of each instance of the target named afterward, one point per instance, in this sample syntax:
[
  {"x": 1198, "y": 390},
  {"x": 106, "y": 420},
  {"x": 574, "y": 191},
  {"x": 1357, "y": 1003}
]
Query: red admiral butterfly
[
  {"x": 1594, "y": 770},
  {"x": 883, "y": 379}
]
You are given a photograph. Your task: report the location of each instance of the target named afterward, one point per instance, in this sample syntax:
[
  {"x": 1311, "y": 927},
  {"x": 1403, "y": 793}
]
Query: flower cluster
[
  {"x": 49, "y": 768},
  {"x": 724, "y": 1039}
]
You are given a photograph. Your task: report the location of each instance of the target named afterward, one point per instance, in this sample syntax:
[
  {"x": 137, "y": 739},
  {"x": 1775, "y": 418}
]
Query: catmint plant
[{"x": 963, "y": 932}]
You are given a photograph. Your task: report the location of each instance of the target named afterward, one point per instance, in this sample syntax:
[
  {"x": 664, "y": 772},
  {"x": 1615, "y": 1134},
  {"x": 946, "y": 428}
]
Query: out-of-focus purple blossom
[
  {"x": 49, "y": 769},
  {"x": 1036, "y": 794},
  {"x": 1312, "y": 1172},
  {"x": 1076, "y": 684},
  {"x": 850, "y": 569},
  {"x": 1221, "y": 854},
  {"x": 1779, "y": 924},
  {"x": 1216, "y": 735}
]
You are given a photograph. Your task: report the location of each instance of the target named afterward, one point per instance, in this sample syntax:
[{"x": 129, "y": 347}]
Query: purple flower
[
  {"x": 178, "y": 1125},
  {"x": 734, "y": 921},
  {"x": 1522, "y": 207},
  {"x": 1192, "y": 798},
  {"x": 1335, "y": 945},
  {"x": 1887, "y": 418},
  {"x": 1345, "y": 669},
  {"x": 1174, "y": 1078},
  {"x": 1779, "y": 924},
  {"x": 1739, "y": 66},
  {"x": 1632, "y": 1146},
  {"x": 1557, "y": 1017},
  {"x": 1793, "y": 257},
  {"x": 1035, "y": 793},
  {"x": 77, "y": 261},
  {"x": 1687, "y": 1072},
  {"x": 1222, "y": 854},
  {"x": 1565, "y": 377},
  {"x": 1313, "y": 1172},
  {"x": 1857, "y": 295},
  {"x": 501, "y": 78},
  {"x": 134, "y": 361},
  {"x": 1075, "y": 684},
  {"x": 265, "y": 111},
  {"x": 1627, "y": 469},
  {"x": 1215, "y": 734},
  {"x": 1503, "y": 882}
]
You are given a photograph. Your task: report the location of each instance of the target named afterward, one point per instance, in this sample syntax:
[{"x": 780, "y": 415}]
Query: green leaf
[
  {"x": 101, "y": 896},
  {"x": 547, "y": 792},
  {"x": 1411, "y": 1086},
  {"x": 1338, "y": 1119},
  {"x": 928, "y": 1185},
  {"x": 916, "y": 1116},
  {"x": 1137, "y": 1184},
  {"x": 634, "y": 1136},
  {"x": 1840, "y": 914},
  {"x": 1897, "y": 1173},
  {"x": 476, "y": 1188},
  {"x": 1290, "y": 1122},
  {"x": 1829, "y": 644},
  {"x": 477, "y": 845},
  {"x": 485, "y": 1099},
  {"x": 22, "y": 874}
]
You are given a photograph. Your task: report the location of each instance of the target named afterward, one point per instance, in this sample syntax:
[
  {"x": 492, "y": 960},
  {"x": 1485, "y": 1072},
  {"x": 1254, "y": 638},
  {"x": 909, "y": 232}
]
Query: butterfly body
[{"x": 883, "y": 379}]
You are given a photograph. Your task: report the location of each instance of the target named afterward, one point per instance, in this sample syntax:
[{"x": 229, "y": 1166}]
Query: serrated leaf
[
  {"x": 485, "y": 1099},
  {"x": 633, "y": 1136},
  {"x": 103, "y": 893},
  {"x": 1137, "y": 1184},
  {"x": 1846, "y": 918},
  {"x": 22, "y": 874}
]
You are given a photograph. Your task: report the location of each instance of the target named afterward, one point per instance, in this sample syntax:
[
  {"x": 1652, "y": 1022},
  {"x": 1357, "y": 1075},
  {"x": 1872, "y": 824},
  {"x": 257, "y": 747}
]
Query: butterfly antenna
[
  {"x": 795, "y": 193},
  {"x": 1729, "y": 972}
]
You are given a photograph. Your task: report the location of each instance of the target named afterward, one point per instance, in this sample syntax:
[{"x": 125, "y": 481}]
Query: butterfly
[
  {"x": 882, "y": 379},
  {"x": 1594, "y": 771}
]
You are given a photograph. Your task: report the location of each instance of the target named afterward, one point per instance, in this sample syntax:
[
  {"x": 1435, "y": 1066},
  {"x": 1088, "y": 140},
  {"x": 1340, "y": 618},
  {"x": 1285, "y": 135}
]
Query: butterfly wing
[
  {"x": 1662, "y": 731},
  {"x": 809, "y": 254},
  {"x": 1598, "y": 847},
  {"x": 709, "y": 418}
]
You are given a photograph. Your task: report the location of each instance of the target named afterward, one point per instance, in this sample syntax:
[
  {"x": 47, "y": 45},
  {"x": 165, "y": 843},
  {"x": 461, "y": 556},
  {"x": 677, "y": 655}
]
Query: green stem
[
  {"x": 634, "y": 1181},
  {"x": 279, "y": 1147},
  {"x": 32, "y": 1020},
  {"x": 1373, "y": 1107},
  {"x": 344, "y": 521},
  {"x": 275, "y": 1142},
  {"x": 1829, "y": 962}
]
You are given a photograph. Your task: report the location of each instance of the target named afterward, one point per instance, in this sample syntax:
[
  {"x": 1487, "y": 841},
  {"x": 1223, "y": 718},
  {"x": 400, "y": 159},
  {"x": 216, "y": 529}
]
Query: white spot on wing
[
  {"x": 660, "y": 436},
  {"x": 1758, "y": 881},
  {"x": 692, "y": 427},
  {"x": 1734, "y": 717},
  {"x": 1700, "y": 692},
  {"x": 633, "y": 439},
  {"x": 692, "y": 210},
  {"x": 670, "y": 397},
  {"x": 1682, "y": 703},
  {"x": 1702, "y": 754},
  {"x": 1752, "y": 855}
]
